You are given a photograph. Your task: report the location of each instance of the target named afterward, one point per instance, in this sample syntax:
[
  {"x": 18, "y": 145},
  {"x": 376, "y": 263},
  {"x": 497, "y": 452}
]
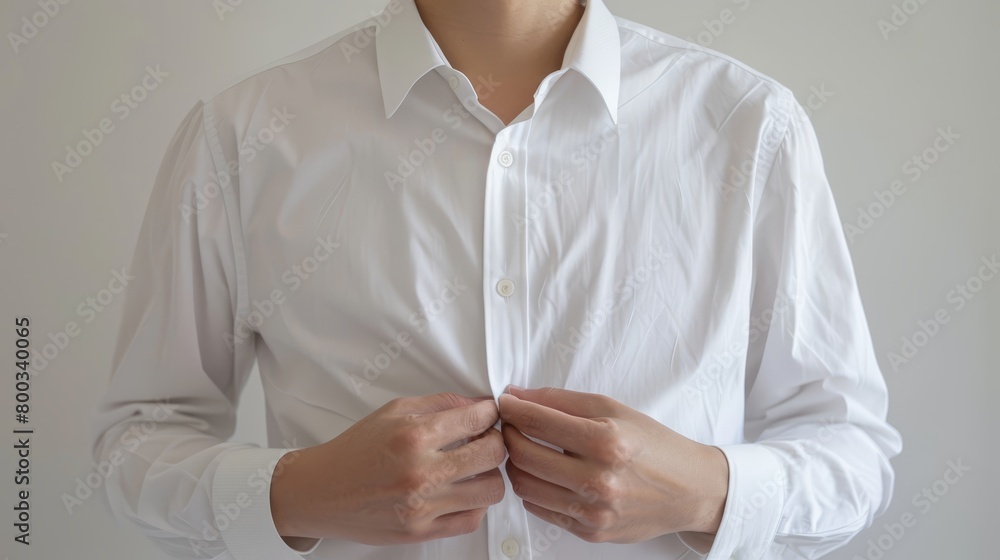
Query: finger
[
  {"x": 558, "y": 519},
  {"x": 456, "y": 424},
  {"x": 571, "y": 433},
  {"x": 532, "y": 489},
  {"x": 477, "y": 456},
  {"x": 482, "y": 490},
  {"x": 584, "y": 405},
  {"x": 543, "y": 462},
  {"x": 441, "y": 402},
  {"x": 455, "y": 524}
]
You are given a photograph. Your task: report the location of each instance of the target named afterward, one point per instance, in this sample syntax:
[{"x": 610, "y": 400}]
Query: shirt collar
[
  {"x": 405, "y": 51},
  {"x": 595, "y": 52}
]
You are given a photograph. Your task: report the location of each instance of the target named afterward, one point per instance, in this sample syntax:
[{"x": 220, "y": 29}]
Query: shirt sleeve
[
  {"x": 161, "y": 428},
  {"x": 814, "y": 470}
]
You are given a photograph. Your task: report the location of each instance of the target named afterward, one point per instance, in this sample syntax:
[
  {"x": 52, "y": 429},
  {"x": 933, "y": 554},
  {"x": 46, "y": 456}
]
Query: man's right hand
[{"x": 396, "y": 476}]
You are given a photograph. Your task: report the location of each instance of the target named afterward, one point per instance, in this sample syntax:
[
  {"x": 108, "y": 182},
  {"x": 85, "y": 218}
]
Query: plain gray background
[{"x": 888, "y": 92}]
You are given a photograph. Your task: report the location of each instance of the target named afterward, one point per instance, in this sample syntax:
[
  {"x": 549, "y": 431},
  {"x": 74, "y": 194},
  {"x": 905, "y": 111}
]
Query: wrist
[
  {"x": 712, "y": 490},
  {"x": 283, "y": 494}
]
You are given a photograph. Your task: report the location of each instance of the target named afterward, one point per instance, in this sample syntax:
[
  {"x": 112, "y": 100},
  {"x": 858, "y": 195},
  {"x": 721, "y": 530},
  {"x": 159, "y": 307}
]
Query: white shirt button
[
  {"x": 506, "y": 159},
  {"x": 510, "y": 548},
  {"x": 453, "y": 81},
  {"x": 505, "y": 287}
]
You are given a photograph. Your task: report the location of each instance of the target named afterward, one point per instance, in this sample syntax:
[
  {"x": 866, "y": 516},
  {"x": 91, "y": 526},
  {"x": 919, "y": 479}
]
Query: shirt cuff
[
  {"x": 241, "y": 504},
  {"x": 754, "y": 503}
]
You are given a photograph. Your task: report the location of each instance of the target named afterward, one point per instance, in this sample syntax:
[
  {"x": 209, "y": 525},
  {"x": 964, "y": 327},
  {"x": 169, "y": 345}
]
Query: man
[{"x": 462, "y": 199}]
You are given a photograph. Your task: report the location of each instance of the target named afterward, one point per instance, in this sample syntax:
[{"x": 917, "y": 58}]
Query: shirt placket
[{"x": 505, "y": 295}]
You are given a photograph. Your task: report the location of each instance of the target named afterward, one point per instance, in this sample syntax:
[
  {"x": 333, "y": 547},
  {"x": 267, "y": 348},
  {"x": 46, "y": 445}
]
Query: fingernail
[{"x": 511, "y": 388}]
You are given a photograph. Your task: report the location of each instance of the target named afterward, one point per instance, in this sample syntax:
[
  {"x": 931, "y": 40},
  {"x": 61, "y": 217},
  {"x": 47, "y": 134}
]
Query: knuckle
[
  {"x": 494, "y": 491},
  {"x": 453, "y": 400},
  {"x": 602, "y": 487},
  {"x": 405, "y": 535},
  {"x": 608, "y": 445},
  {"x": 470, "y": 522},
  {"x": 398, "y": 404},
  {"x": 517, "y": 485},
  {"x": 530, "y": 421},
  {"x": 606, "y": 402},
  {"x": 472, "y": 421},
  {"x": 597, "y": 517},
  {"x": 409, "y": 438},
  {"x": 412, "y": 517},
  {"x": 413, "y": 532},
  {"x": 440, "y": 475},
  {"x": 608, "y": 425},
  {"x": 495, "y": 448},
  {"x": 593, "y": 537},
  {"x": 517, "y": 453},
  {"x": 411, "y": 482}
]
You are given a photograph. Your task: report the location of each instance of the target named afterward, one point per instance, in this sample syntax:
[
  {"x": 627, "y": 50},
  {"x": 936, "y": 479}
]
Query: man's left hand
[{"x": 620, "y": 476}]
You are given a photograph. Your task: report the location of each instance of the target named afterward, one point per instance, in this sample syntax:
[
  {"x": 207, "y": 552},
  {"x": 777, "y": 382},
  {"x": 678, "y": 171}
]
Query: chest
[{"x": 449, "y": 259}]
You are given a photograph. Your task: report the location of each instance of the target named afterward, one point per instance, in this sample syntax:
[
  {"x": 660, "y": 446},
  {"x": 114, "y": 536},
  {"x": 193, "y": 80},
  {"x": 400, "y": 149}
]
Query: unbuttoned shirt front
[{"x": 656, "y": 227}]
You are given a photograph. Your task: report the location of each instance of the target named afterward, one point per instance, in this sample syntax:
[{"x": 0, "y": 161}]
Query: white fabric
[{"x": 656, "y": 227}]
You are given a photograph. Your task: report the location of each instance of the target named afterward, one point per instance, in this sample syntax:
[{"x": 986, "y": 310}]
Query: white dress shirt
[{"x": 656, "y": 227}]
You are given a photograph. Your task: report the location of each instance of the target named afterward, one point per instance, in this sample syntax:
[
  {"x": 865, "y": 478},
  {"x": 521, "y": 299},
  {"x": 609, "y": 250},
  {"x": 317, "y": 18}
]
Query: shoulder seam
[
  {"x": 301, "y": 55},
  {"x": 647, "y": 33}
]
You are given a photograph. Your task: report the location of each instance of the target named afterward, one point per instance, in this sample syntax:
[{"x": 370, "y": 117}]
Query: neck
[{"x": 502, "y": 36}]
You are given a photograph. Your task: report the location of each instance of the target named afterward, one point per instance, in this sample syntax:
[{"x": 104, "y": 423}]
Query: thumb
[{"x": 574, "y": 403}]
